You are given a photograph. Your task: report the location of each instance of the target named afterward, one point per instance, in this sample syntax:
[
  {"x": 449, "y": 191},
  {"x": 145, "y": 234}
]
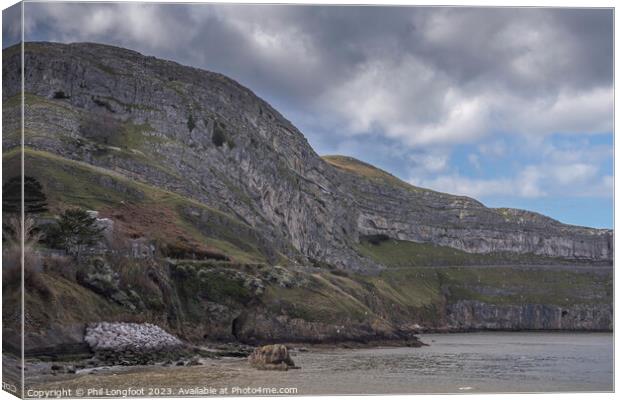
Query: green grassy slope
[
  {"x": 402, "y": 253},
  {"x": 419, "y": 294},
  {"x": 505, "y": 285},
  {"x": 156, "y": 213}
]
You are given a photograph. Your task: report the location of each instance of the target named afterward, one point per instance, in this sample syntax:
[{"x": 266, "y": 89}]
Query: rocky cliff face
[
  {"x": 193, "y": 132},
  {"x": 393, "y": 208},
  {"x": 205, "y": 137},
  {"x": 477, "y": 315},
  {"x": 198, "y": 301}
]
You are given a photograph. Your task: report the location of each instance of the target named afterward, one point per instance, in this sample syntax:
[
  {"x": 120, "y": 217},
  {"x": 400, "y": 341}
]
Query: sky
[{"x": 511, "y": 106}]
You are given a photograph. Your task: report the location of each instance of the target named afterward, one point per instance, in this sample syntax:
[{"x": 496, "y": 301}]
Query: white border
[{"x": 478, "y": 3}]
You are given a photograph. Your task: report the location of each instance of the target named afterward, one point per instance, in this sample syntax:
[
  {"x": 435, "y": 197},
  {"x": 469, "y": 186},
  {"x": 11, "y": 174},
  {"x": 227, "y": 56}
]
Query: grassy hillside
[
  {"x": 361, "y": 169},
  {"x": 138, "y": 209},
  {"x": 505, "y": 285},
  {"x": 419, "y": 294},
  {"x": 401, "y": 253}
]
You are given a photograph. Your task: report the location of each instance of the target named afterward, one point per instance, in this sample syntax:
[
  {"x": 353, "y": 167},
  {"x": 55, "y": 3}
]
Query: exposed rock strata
[
  {"x": 477, "y": 315},
  {"x": 261, "y": 327},
  {"x": 57, "y": 340},
  {"x": 393, "y": 208},
  {"x": 207, "y": 138},
  {"x": 204, "y": 136}
]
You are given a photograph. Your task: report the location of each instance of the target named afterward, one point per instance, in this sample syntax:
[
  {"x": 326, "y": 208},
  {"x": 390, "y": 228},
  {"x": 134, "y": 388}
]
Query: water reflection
[{"x": 515, "y": 362}]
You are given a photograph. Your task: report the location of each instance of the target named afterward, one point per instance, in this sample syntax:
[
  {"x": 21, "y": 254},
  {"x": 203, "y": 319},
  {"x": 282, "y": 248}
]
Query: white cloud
[
  {"x": 149, "y": 25},
  {"x": 284, "y": 48},
  {"x": 400, "y": 98},
  {"x": 570, "y": 112},
  {"x": 533, "y": 181},
  {"x": 433, "y": 162},
  {"x": 381, "y": 97},
  {"x": 460, "y": 185},
  {"x": 528, "y": 182},
  {"x": 570, "y": 174},
  {"x": 474, "y": 160}
]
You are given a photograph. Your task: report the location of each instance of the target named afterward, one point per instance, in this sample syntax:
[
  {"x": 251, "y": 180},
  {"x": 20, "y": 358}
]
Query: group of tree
[{"x": 73, "y": 230}]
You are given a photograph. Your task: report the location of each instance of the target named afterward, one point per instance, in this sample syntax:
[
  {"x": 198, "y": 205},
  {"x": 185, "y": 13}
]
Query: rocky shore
[{"x": 125, "y": 345}]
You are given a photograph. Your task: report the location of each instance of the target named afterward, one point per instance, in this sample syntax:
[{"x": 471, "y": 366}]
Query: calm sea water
[
  {"x": 453, "y": 363},
  {"x": 463, "y": 363}
]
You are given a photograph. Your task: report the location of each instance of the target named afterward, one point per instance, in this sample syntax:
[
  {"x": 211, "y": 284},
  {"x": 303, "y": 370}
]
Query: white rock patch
[{"x": 119, "y": 336}]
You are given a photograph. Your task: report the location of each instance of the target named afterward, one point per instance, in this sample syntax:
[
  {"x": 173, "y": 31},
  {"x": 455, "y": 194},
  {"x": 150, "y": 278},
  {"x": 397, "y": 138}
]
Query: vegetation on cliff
[{"x": 219, "y": 222}]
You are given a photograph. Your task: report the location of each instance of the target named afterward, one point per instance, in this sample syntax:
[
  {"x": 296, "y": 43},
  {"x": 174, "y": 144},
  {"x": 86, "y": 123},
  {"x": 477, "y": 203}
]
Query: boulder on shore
[{"x": 272, "y": 357}]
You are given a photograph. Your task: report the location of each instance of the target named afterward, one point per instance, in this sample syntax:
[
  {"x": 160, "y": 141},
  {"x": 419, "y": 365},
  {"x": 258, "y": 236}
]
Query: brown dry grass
[
  {"x": 358, "y": 167},
  {"x": 63, "y": 266},
  {"x": 135, "y": 274},
  {"x": 161, "y": 224},
  {"x": 12, "y": 257}
]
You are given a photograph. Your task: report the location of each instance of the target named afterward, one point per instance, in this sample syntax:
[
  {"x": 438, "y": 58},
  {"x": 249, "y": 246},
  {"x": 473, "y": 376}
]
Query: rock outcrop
[
  {"x": 477, "y": 315},
  {"x": 207, "y": 138},
  {"x": 253, "y": 327},
  {"x": 271, "y": 357},
  {"x": 199, "y": 177},
  {"x": 59, "y": 339},
  {"x": 390, "y": 207},
  {"x": 119, "y": 337}
]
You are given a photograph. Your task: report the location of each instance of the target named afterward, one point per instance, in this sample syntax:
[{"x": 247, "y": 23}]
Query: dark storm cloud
[
  {"x": 11, "y": 25},
  {"x": 421, "y": 76},
  {"x": 481, "y": 46},
  {"x": 407, "y": 88}
]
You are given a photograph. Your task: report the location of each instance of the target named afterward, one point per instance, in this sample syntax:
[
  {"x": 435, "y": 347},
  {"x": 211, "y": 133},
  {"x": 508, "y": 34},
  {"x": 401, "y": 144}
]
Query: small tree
[
  {"x": 74, "y": 230},
  {"x": 35, "y": 200}
]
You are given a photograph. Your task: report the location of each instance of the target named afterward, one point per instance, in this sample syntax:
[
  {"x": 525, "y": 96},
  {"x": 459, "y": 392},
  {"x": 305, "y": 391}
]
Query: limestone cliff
[
  {"x": 388, "y": 206},
  {"x": 203, "y": 136}
]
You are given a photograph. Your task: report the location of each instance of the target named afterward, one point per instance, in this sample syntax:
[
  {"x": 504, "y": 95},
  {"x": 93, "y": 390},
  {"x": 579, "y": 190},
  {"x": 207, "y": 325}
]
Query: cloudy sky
[{"x": 511, "y": 106}]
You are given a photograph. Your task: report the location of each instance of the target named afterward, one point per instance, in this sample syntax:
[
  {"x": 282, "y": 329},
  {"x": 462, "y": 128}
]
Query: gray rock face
[
  {"x": 58, "y": 339},
  {"x": 213, "y": 140},
  {"x": 206, "y": 137},
  {"x": 470, "y": 314},
  {"x": 264, "y": 327},
  {"x": 393, "y": 208},
  {"x": 97, "y": 275}
]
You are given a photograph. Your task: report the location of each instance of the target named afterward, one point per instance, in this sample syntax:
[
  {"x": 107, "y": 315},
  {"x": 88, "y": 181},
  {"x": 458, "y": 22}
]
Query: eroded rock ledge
[
  {"x": 207, "y": 138},
  {"x": 477, "y": 315}
]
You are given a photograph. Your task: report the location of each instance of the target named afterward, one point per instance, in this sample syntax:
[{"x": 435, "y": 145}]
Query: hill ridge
[{"x": 206, "y": 137}]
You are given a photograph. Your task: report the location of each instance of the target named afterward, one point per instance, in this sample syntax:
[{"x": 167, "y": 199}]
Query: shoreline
[
  {"x": 313, "y": 359},
  {"x": 238, "y": 350},
  {"x": 347, "y": 345},
  {"x": 226, "y": 348}
]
